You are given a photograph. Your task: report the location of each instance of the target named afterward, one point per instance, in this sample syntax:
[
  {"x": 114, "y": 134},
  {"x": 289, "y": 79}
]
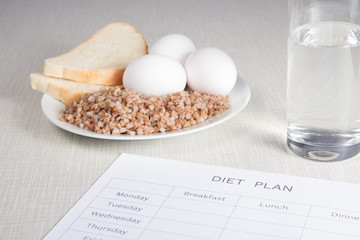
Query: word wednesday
[
  {"x": 115, "y": 217},
  {"x": 264, "y": 185}
]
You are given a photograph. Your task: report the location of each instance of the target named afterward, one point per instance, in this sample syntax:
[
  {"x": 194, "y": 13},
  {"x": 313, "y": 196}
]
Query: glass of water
[{"x": 323, "y": 82}]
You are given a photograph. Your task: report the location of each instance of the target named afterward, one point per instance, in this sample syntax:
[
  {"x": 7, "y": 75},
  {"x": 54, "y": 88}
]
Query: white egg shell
[
  {"x": 155, "y": 74},
  {"x": 175, "y": 45},
  {"x": 210, "y": 70}
]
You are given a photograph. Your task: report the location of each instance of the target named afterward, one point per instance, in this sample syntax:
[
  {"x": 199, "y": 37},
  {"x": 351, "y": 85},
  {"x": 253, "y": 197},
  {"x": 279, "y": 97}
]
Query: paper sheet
[{"x": 147, "y": 198}]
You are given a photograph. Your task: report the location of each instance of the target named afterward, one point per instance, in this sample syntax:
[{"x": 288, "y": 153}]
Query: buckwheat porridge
[{"x": 121, "y": 111}]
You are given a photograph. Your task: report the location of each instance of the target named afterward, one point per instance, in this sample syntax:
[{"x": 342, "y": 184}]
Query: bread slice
[
  {"x": 64, "y": 90},
  {"x": 102, "y": 58}
]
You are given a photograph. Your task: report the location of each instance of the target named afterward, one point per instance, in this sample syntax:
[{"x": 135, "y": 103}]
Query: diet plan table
[{"x": 147, "y": 198}]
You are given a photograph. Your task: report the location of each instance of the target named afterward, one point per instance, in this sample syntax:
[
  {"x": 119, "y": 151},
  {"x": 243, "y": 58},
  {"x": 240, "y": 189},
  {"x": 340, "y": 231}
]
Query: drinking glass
[{"x": 323, "y": 82}]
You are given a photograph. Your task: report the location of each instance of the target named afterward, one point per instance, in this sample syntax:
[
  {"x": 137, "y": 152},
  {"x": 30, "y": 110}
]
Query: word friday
[{"x": 263, "y": 185}]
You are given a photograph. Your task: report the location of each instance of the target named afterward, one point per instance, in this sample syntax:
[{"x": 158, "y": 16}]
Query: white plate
[{"x": 239, "y": 97}]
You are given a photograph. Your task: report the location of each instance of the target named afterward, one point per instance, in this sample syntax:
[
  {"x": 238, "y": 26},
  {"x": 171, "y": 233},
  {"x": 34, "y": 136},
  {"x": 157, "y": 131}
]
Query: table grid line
[
  {"x": 259, "y": 234},
  {"x": 124, "y": 189},
  {"x": 304, "y": 226},
  {"x": 197, "y": 224},
  {"x": 358, "y": 212},
  {"x": 117, "y": 224},
  {"x": 251, "y": 208},
  {"x": 323, "y": 218},
  {"x": 101, "y": 235},
  {"x": 126, "y": 201},
  {"x": 200, "y": 200},
  {"x": 337, "y": 233},
  {"x": 135, "y": 214},
  {"x": 232, "y": 212},
  {"x": 278, "y": 224},
  {"x": 185, "y": 210},
  {"x": 178, "y": 234},
  {"x": 131, "y": 180},
  {"x": 156, "y": 212}
]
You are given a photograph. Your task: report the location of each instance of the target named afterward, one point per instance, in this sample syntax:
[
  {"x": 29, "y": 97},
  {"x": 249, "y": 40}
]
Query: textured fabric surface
[{"x": 45, "y": 170}]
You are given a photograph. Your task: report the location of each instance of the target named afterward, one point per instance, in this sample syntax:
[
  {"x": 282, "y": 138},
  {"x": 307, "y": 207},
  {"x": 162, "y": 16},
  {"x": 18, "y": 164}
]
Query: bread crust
[
  {"x": 107, "y": 77},
  {"x": 62, "y": 94},
  {"x": 104, "y": 76}
]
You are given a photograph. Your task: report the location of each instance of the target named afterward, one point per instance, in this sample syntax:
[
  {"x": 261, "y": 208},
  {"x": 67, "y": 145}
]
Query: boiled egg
[
  {"x": 155, "y": 74},
  {"x": 175, "y": 45},
  {"x": 210, "y": 70}
]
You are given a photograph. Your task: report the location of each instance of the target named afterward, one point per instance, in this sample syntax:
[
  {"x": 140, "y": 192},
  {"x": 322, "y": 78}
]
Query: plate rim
[{"x": 240, "y": 85}]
